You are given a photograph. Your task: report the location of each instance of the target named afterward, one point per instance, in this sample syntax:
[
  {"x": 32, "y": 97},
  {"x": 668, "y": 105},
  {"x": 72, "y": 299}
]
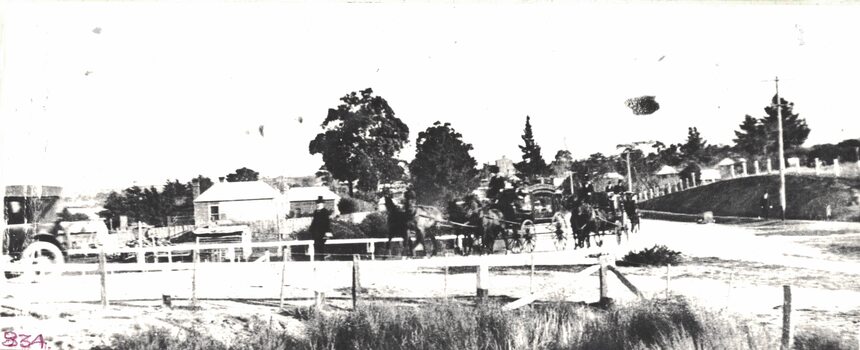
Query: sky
[{"x": 100, "y": 95}]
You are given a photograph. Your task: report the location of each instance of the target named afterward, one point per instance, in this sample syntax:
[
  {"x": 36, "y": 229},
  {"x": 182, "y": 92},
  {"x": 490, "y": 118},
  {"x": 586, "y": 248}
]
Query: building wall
[
  {"x": 242, "y": 211},
  {"x": 307, "y": 207}
]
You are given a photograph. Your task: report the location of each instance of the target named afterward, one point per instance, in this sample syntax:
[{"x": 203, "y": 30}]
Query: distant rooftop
[
  {"x": 299, "y": 194},
  {"x": 237, "y": 191}
]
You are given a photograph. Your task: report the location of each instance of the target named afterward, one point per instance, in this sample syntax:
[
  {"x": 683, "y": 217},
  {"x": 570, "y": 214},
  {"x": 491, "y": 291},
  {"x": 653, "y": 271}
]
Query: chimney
[
  {"x": 221, "y": 179},
  {"x": 195, "y": 188}
]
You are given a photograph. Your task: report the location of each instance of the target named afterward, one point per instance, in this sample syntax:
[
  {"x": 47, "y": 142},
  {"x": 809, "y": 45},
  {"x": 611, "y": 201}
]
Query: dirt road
[{"x": 741, "y": 268}]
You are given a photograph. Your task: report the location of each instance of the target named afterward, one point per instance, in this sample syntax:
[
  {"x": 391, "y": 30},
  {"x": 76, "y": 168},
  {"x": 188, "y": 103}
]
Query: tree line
[
  {"x": 362, "y": 137},
  {"x": 155, "y": 206}
]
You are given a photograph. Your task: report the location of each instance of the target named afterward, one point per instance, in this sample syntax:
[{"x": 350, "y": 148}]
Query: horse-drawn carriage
[
  {"x": 514, "y": 217},
  {"x": 603, "y": 213},
  {"x": 533, "y": 206}
]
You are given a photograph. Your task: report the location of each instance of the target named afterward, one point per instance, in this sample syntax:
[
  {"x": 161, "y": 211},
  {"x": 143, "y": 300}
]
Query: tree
[
  {"x": 794, "y": 128},
  {"x": 750, "y": 139},
  {"x": 324, "y": 176},
  {"x": 761, "y": 136},
  {"x": 562, "y": 163},
  {"x": 243, "y": 174},
  {"x": 533, "y": 164},
  {"x": 693, "y": 148},
  {"x": 442, "y": 169},
  {"x": 66, "y": 215},
  {"x": 361, "y": 140},
  {"x": 177, "y": 199}
]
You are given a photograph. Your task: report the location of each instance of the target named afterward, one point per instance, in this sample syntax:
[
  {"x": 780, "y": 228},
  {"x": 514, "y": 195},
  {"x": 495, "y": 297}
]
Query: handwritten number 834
[{"x": 24, "y": 341}]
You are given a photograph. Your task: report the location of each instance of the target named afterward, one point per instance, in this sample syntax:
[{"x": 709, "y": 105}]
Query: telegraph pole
[
  {"x": 781, "y": 154},
  {"x": 629, "y": 174}
]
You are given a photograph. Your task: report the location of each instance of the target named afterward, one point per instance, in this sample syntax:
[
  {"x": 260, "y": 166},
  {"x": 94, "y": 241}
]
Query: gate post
[{"x": 483, "y": 281}]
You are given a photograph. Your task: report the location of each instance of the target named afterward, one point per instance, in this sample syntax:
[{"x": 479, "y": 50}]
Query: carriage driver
[
  {"x": 496, "y": 185},
  {"x": 586, "y": 190}
]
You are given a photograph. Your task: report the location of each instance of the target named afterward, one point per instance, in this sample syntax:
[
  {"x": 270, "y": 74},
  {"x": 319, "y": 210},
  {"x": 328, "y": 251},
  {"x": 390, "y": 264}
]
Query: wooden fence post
[
  {"x": 141, "y": 257},
  {"x": 786, "y": 318},
  {"x": 483, "y": 276},
  {"x": 667, "y": 281},
  {"x": 284, "y": 258},
  {"x": 311, "y": 251},
  {"x": 371, "y": 249},
  {"x": 604, "y": 286},
  {"x": 356, "y": 280},
  {"x": 445, "y": 287},
  {"x": 195, "y": 259},
  {"x": 532, "y": 273},
  {"x": 103, "y": 277},
  {"x": 319, "y": 295}
]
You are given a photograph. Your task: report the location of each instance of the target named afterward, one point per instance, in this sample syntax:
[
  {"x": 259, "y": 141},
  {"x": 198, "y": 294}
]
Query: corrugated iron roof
[
  {"x": 299, "y": 194},
  {"x": 237, "y": 191}
]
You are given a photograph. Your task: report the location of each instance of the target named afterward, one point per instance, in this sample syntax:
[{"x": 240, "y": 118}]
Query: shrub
[
  {"x": 375, "y": 225},
  {"x": 347, "y": 205},
  {"x": 340, "y": 230},
  {"x": 820, "y": 339},
  {"x": 656, "y": 256}
]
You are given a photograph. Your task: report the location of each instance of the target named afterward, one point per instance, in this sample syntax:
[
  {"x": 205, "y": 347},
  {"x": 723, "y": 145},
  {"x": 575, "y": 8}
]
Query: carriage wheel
[
  {"x": 513, "y": 241},
  {"x": 40, "y": 254},
  {"x": 528, "y": 236}
]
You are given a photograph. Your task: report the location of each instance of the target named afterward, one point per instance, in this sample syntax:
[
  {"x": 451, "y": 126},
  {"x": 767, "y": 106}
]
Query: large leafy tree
[
  {"x": 442, "y": 169},
  {"x": 243, "y": 174},
  {"x": 533, "y": 164},
  {"x": 360, "y": 141}
]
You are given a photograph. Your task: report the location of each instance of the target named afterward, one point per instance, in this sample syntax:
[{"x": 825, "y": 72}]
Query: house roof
[
  {"x": 667, "y": 170},
  {"x": 710, "y": 174},
  {"x": 613, "y": 175},
  {"x": 237, "y": 191},
  {"x": 299, "y": 194},
  {"x": 726, "y": 162}
]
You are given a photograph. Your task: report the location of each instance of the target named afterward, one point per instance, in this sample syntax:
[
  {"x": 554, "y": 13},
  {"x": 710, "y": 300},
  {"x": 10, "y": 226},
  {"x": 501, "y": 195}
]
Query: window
[{"x": 214, "y": 214}]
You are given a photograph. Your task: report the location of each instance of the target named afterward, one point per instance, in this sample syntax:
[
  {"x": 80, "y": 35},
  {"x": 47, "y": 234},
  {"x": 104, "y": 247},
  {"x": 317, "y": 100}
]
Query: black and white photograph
[{"x": 350, "y": 175}]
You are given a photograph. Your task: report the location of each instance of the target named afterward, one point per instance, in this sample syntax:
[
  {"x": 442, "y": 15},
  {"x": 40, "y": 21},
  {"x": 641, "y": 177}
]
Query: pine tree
[
  {"x": 695, "y": 145},
  {"x": 750, "y": 139},
  {"x": 533, "y": 164},
  {"x": 794, "y": 128}
]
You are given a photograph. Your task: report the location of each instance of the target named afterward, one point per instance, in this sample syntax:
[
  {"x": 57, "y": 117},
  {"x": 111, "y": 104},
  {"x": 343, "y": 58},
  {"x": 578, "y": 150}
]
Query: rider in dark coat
[
  {"x": 320, "y": 227},
  {"x": 496, "y": 185},
  {"x": 587, "y": 190}
]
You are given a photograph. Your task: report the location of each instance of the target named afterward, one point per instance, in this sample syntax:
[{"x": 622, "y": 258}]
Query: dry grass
[{"x": 644, "y": 325}]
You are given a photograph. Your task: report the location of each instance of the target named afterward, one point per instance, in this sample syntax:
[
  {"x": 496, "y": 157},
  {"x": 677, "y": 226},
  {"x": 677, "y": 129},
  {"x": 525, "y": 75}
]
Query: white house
[{"x": 246, "y": 201}]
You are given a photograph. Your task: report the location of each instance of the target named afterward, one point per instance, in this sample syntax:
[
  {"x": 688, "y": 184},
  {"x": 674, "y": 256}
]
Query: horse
[
  {"x": 488, "y": 222},
  {"x": 629, "y": 205},
  {"x": 418, "y": 219},
  {"x": 586, "y": 220}
]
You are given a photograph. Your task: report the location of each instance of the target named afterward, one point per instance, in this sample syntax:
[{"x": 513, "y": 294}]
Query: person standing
[
  {"x": 320, "y": 228},
  {"x": 765, "y": 205}
]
